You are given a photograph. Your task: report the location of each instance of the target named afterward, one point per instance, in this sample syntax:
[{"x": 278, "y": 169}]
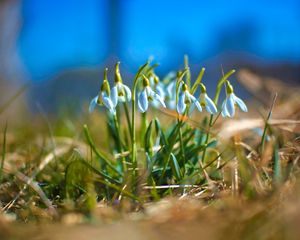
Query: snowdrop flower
[
  {"x": 103, "y": 98},
  {"x": 120, "y": 92},
  {"x": 170, "y": 90},
  {"x": 228, "y": 106},
  {"x": 148, "y": 95},
  {"x": 171, "y": 94},
  {"x": 157, "y": 85},
  {"x": 185, "y": 99},
  {"x": 205, "y": 101}
]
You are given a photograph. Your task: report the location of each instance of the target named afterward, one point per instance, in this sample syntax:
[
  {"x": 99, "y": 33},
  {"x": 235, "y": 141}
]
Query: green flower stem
[
  {"x": 180, "y": 121},
  {"x": 3, "y": 152},
  {"x": 194, "y": 88},
  {"x": 263, "y": 138},
  {"x": 119, "y": 143},
  {"x": 216, "y": 99},
  {"x": 97, "y": 152},
  {"x": 220, "y": 85},
  {"x": 198, "y": 81},
  {"x": 133, "y": 146},
  {"x": 143, "y": 127},
  {"x": 127, "y": 118},
  {"x": 207, "y": 137},
  {"x": 181, "y": 142},
  {"x": 188, "y": 72}
]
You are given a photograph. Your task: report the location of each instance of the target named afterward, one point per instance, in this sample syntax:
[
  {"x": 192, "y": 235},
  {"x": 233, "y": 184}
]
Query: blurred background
[{"x": 60, "y": 47}]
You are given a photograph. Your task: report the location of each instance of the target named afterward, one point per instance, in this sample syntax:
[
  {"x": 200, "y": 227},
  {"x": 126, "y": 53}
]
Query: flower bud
[
  {"x": 202, "y": 88},
  {"x": 118, "y": 77},
  {"x": 229, "y": 88}
]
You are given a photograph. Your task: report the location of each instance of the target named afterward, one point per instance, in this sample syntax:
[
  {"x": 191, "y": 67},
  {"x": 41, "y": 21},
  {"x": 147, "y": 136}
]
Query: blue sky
[{"x": 73, "y": 33}]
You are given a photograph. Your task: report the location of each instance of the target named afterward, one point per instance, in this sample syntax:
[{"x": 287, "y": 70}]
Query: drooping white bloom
[
  {"x": 168, "y": 86},
  {"x": 120, "y": 92},
  {"x": 148, "y": 95},
  {"x": 205, "y": 101},
  {"x": 186, "y": 99},
  {"x": 228, "y": 106},
  {"x": 158, "y": 88},
  {"x": 93, "y": 104},
  {"x": 103, "y": 98},
  {"x": 171, "y": 94}
]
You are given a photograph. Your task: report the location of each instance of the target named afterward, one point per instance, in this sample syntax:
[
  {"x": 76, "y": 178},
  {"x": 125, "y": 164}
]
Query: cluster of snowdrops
[
  {"x": 173, "y": 93},
  {"x": 174, "y": 153}
]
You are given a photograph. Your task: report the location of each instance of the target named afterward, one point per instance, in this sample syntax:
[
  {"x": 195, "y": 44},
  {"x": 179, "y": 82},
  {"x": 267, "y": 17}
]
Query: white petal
[
  {"x": 93, "y": 104},
  {"x": 143, "y": 101},
  {"x": 108, "y": 104},
  {"x": 229, "y": 105},
  {"x": 151, "y": 80},
  {"x": 224, "y": 112},
  {"x": 155, "y": 96},
  {"x": 160, "y": 90},
  {"x": 198, "y": 106},
  {"x": 171, "y": 104},
  {"x": 240, "y": 103},
  {"x": 149, "y": 91},
  {"x": 210, "y": 106},
  {"x": 114, "y": 95},
  {"x": 179, "y": 87},
  {"x": 190, "y": 96},
  {"x": 195, "y": 101},
  {"x": 171, "y": 89},
  {"x": 171, "y": 75},
  {"x": 181, "y": 103},
  {"x": 171, "y": 95},
  {"x": 127, "y": 92},
  {"x": 159, "y": 98}
]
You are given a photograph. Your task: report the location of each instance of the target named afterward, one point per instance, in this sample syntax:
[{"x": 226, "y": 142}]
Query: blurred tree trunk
[{"x": 12, "y": 73}]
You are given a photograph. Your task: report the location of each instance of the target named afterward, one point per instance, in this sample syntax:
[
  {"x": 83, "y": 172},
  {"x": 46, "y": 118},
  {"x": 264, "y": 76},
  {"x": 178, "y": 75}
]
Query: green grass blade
[
  {"x": 148, "y": 144},
  {"x": 175, "y": 168},
  {"x": 3, "y": 152},
  {"x": 138, "y": 74},
  {"x": 264, "y": 135},
  {"x": 102, "y": 157},
  {"x": 160, "y": 132},
  {"x": 120, "y": 190},
  {"x": 198, "y": 81},
  {"x": 277, "y": 165},
  {"x": 96, "y": 171},
  {"x": 220, "y": 84}
]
